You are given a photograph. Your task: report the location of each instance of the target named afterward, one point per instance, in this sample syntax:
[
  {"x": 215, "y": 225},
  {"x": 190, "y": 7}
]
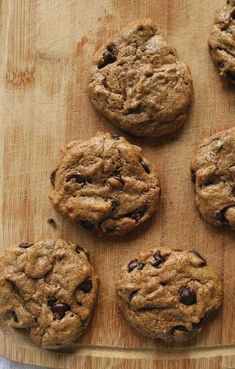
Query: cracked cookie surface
[
  {"x": 222, "y": 41},
  {"x": 168, "y": 294},
  {"x": 106, "y": 184},
  {"x": 213, "y": 171},
  {"x": 139, "y": 83},
  {"x": 48, "y": 289}
]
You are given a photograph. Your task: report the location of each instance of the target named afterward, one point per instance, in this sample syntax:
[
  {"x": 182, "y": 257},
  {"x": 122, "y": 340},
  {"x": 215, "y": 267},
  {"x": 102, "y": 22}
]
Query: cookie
[
  {"x": 105, "y": 184},
  {"x": 139, "y": 83},
  {"x": 48, "y": 289},
  {"x": 213, "y": 171},
  {"x": 168, "y": 294},
  {"x": 222, "y": 41}
]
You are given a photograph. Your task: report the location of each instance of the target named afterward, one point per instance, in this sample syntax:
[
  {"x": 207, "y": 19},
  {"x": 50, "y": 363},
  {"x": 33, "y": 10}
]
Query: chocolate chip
[
  {"x": 230, "y": 75},
  {"x": 59, "y": 309},
  {"x": 86, "y": 285},
  {"x": 202, "y": 260},
  {"x": 233, "y": 17},
  {"x": 25, "y": 245},
  {"x": 87, "y": 224},
  {"x": 221, "y": 215},
  {"x": 77, "y": 178},
  {"x": 193, "y": 176},
  {"x": 187, "y": 296},
  {"x": 108, "y": 58},
  {"x": 137, "y": 214},
  {"x": 51, "y": 301},
  {"x": 180, "y": 328},
  {"x": 115, "y": 137},
  {"x": 79, "y": 249},
  {"x": 52, "y": 177},
  {"x": 220, "y": 65},
  {"x": 14, "y": 316},
  {"x": 135, "y": 264},
  {"x": 159, "y": 260},
  {"x": 144, "y": 165}
]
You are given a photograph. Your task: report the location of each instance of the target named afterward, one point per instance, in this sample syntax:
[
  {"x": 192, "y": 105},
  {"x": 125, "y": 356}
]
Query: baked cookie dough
[
  {"x": 139, "y": 83},
  {"x": 48, "y": 289},
  {"x": 213, "y": 171},
  {"x": 222, "y": 41},
  {"x": 168, "y": 294},
  {"x": 106, "y": 184}
]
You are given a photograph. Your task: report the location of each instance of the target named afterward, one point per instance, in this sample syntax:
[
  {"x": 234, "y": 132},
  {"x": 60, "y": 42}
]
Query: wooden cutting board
[{"x": 46, "y": 48}]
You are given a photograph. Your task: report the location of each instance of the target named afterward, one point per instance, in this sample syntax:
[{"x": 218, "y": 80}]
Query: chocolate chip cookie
[
  {"x": 222, "y": 41},
  {"x": 48, "y": 289},
  {"x": 168, "y": 294},
  {"x": 139, "y": 83},
  {"x": 106, "y": 184},
  {"x": 213, "y": 171}
]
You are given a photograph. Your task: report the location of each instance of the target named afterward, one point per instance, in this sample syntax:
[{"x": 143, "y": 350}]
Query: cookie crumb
[{"x": 52, "y": 222}]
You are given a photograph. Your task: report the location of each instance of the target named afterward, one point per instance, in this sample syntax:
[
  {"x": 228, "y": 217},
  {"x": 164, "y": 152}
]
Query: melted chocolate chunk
[
  {"x": 187, "y": 296},
  {"x": 86, "y": 285},
  {"x": 193, "y": 176},
  {"x": 230, "y": 75},
  {"x": 80, "y": 249},
  {"x": 52, "y": 177},
  {"x": 78, "y": 178},
  {"x": 180, "y": 328},
  {"x": 14, "y": 316},
  {"x": 144, "y": 165},
  {"x": 87, "y": 224},
  {"x": 135, "y": 264},
  {"x": 59, "y": 309},
  {"x": 108, "y": 57},
  {"x": 221, "y": 215},
  {"x": 137, "y": 214},
  {"x": 159, "y": 260},
  {"x": 25, "y": 245}
]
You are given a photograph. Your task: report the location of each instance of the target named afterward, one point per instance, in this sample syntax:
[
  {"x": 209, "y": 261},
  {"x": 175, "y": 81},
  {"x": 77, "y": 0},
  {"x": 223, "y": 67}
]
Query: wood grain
[{"x": 46, "y": 48}]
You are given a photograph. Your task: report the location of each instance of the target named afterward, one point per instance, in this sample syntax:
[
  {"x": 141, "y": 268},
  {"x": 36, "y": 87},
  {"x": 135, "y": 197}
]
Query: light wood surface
[{"x": 46, "y": 48}]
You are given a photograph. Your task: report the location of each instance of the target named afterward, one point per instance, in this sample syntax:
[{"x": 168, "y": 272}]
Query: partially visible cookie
[
  {"x": 139, "y": 83},
  {"x": 106, "y": 184},
  {"x": 213, "y": 171},
  {"x": 168, "y": 294},
  {"x": 222, "y": 41},
  {"x": 48, "y": 289}
]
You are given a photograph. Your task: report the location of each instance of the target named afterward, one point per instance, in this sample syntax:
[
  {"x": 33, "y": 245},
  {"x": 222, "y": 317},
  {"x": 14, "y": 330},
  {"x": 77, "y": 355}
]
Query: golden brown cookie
[
  {"x": 106, "y": 184},
  {"x": 48, "y": 289},
  {"x": 168, "y": 294},
  {"x": 139, "y": 83},
  {"x": 213, "y": 171},
  {"x": 222, "y": 41}
]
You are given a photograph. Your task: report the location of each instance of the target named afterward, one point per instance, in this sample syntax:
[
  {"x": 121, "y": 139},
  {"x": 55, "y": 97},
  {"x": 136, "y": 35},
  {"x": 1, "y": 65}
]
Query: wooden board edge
[{"x": 109, "y": 357}]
